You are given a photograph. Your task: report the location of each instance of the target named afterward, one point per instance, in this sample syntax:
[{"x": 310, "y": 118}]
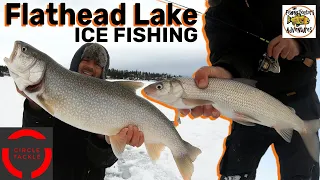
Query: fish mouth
[
  {"x": 150, "y": 90},
  {"x": 14, "y": 52},
  {"x": 6, "y": 60}
]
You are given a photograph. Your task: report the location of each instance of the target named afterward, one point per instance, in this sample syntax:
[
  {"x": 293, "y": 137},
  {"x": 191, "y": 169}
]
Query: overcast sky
[{"x": 59, "y": 42}]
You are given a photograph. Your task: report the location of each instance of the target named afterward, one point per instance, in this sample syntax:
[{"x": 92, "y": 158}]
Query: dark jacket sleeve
[
  {"x": 310, "y": 47},
  {"x": 230, "y": 48},
  {"x": 99, "y": 152},
  {"x": 35, "y": 118}
]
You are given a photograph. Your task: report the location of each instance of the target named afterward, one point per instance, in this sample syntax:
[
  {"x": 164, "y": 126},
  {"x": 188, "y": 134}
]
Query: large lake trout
[{"x": 96, "y": 105}]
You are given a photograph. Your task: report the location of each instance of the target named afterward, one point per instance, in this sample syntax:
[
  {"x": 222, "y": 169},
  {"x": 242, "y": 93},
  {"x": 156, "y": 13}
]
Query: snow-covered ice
[{"x": 206, "y": 134}]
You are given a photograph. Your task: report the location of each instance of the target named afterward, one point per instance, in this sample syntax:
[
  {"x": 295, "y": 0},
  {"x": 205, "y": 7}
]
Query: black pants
[
  {"x": 66, "y": 172},
  {"x": 246, "y": 145}
]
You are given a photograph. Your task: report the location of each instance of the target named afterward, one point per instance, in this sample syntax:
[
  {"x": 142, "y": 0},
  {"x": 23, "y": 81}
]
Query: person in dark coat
[
  {"x": 236, "y": 54},
  {"x": 78, "y": 154}
]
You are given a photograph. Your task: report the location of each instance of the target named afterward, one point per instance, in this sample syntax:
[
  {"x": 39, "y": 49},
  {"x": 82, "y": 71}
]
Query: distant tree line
[
  {"x": 4, "y": 71},
  {"x": 118, "y": 74},
  {"x": 138, "y": 75}
]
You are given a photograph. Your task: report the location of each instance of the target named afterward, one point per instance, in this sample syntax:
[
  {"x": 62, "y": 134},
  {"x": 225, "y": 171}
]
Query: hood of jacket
[{"x": 91, "y": 51}]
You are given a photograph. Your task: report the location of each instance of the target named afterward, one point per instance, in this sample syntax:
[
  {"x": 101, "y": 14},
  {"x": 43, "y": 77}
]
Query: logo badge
[
  {"x": 26, "y": 153},
  {"x": 299, "y": 21}
]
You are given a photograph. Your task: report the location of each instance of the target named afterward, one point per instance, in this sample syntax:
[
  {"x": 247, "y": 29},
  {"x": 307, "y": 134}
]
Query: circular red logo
[{"x": 47, "y": 157}]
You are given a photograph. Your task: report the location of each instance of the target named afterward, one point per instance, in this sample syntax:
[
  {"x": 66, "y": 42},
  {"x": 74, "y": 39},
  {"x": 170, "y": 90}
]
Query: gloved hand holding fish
[
  {"x": 239, "y": 100},
  {"x": 98, "y": 106}
]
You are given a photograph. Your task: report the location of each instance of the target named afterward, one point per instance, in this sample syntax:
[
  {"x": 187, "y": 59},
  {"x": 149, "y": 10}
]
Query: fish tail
[
  {"x": 177, "y": 120},
  {"x": 310, "y": 138},
  {"x": 185, "y": 161},
  {"x": 193, "y": 151},
  {"x": 311, "y": 126}
]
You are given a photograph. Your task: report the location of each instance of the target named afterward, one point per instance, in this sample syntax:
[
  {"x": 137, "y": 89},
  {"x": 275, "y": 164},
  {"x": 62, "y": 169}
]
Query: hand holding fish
[
  {"x": 201, "y": 79},
  {"x": 32, "y": 104},
  {"x": 133, "y": 136},
  {"x": 285, "y": 47}
]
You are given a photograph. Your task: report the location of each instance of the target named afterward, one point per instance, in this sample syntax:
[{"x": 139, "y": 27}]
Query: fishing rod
[
  {"x": 180, "y": 5},
  {"x": 266, "y": 63},
  {"x": 262, "y": 39}
]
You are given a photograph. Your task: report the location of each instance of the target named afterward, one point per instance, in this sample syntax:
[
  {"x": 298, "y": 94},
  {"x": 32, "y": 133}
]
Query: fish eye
[
  {"x": 159, "y": 86},
  {"x": 24, "y": 49}
]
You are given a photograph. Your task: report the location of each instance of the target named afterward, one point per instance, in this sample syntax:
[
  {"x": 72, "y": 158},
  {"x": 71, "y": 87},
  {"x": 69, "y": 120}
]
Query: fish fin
[
  {"x": 311, "y": 142},
  {"x": 132, "y": 85},
  {"x": 196, "y": 102},
  {"x": 177, "y": 120},
  {"x": 178, "y": 117},
  {"x": 249, "y": 82},
  {"x": 286, "y": 134},
  {"x": 311, "y": 126},
  {"x": 185, "y": 166},
  {"x": 107, "y": 138},
  {"x": 292, "y": 109},
  {"x": 118, "y": 144},
  {"x": 244, "y": 118},
  {"x": 310, "y": 138},
  {"x": 193, "y": 151},
  {"x": 185, "y": 161},
  {"x": 154, "y": 150},
  {"x": 45, "y": 104}
]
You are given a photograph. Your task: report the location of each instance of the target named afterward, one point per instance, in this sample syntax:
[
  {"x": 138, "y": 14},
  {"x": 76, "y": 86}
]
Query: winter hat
[{"x": 95, "y": 52}]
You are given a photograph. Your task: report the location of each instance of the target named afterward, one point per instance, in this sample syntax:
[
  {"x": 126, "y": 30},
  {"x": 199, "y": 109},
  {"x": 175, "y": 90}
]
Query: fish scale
[
  {"x": 244, "y": 100},
  {"x": 239, "y": 100},
  {"x": 98, "y": 106}
]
